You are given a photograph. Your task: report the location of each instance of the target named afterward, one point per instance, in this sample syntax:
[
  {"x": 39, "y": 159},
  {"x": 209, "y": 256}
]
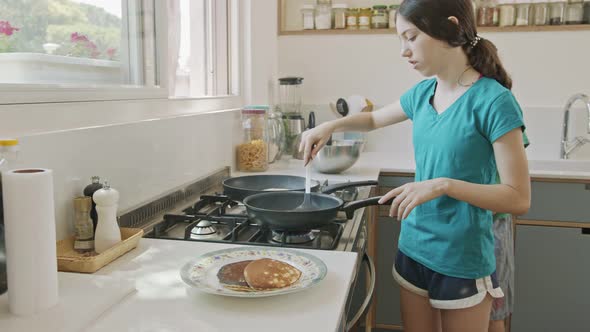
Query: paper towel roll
[{"x": 29, "y": 220}]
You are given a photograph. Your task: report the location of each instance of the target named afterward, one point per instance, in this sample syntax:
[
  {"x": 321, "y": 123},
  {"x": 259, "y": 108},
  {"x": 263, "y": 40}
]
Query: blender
[{"x": 290, "y": 106}]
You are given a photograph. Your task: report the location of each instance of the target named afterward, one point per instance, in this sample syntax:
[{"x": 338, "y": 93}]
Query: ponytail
[{"x": 483, "y": 57}]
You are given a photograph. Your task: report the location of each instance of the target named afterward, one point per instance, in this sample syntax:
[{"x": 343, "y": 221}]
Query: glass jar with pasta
[{"x": 252, "y": 153}]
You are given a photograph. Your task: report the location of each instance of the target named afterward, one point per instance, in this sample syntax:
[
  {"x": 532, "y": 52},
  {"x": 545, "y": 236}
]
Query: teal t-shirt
[{"x": 449, "y": 236}]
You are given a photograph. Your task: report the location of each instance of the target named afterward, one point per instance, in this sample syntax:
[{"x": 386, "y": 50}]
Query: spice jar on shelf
[
  {"x": 392, "y": 12},
  {"x": 574, "y": 12},
  {"x": 379, "y": 17},
  {"x": 487, "y": 14},
  {"x": 556, "y": 12},
  {"x": 507, "y": 13},
  {"x": 364, "y": 18},
  {"x": 252, "y": 154},
  {"x": 323, "y": 15},
  {"x": 540, "y": 12},
  {"x": 307, "y": 17},
  {"x": 339, "y": 14},
  {"x": 523, "y": 10},
  {"x": 352, "y": 16}
]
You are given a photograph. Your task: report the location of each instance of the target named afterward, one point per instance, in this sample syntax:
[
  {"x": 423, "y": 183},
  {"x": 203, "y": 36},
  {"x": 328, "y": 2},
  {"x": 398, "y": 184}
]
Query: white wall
[{"x": 547, "y": 67}]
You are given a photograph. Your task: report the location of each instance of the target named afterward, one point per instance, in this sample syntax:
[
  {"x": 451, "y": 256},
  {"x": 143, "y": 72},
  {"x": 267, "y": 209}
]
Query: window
[
  {"x": 77, "y": 44},
  {"x": 73, "y": 42},
  {"x": 84, "y": 50},
  {"x": 208, "y": 49}
]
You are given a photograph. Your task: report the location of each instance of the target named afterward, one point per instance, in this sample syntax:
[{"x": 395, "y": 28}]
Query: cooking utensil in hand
[
  {"x": 306, "y": 205},
  {"x": 278, "y": 210}
]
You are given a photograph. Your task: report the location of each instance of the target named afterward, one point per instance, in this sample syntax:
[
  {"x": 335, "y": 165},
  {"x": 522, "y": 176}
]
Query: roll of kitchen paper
[{"x": 29, "y": 225}]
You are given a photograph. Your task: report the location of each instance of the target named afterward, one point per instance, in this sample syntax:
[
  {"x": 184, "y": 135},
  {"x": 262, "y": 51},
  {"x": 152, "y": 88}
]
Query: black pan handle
[
  {"x": 350, "y": 207},
  {"x": 339, "y": 186}
]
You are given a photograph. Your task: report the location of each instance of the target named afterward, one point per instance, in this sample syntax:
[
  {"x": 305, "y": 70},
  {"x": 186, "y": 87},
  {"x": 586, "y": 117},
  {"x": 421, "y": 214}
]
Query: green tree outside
[{"x": 54, "y": 21}]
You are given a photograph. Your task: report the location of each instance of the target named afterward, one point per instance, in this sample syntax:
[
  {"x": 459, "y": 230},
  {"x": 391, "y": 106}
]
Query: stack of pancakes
[{"x": 258, "y": 275}]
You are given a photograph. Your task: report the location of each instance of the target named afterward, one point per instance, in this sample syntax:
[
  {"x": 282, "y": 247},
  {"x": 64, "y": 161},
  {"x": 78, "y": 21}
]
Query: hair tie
[{"x": 475, "y": 41}]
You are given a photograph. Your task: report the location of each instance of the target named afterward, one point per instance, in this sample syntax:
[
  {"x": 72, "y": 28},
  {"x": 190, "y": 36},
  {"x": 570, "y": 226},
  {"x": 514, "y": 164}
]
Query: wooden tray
[{"x": 68, "y": 260}]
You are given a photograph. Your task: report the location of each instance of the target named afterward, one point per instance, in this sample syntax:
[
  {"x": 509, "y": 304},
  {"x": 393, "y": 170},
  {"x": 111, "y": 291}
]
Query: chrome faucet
[{"x": 567, "y": 146}]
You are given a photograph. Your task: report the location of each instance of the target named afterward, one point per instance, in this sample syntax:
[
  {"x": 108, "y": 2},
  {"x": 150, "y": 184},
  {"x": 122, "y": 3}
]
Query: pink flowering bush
[
  {"x": 111, "y": 53},
  {"x": 81, "y": 46},
  {"x": 6, "y": 32}
]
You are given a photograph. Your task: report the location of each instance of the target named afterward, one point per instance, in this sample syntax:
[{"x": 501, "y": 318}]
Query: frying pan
[
  {"x": 240, "y": 187},
  {"x": 279, "y": 211}
]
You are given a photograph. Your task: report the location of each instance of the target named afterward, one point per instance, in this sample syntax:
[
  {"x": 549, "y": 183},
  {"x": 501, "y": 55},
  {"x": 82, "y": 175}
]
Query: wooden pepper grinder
[{"x": 107, "y": 230}]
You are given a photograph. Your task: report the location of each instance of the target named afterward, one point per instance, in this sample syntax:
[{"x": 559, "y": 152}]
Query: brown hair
[{"x": 431, "y": 17}]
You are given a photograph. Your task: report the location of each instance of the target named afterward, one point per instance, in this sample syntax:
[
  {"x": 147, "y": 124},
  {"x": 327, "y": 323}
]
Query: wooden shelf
[{"x": 532, "y": 28}]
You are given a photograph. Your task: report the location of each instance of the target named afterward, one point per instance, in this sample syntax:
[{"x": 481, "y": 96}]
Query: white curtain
[{"x": 173, "y": 43}]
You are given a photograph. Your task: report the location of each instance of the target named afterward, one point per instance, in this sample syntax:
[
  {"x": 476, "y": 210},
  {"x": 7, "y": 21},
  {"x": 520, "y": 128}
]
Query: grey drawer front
[{"x": 560, "y": 202}]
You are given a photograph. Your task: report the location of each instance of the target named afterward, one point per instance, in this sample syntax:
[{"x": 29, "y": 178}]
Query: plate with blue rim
[{"x": 201, "y": 272}]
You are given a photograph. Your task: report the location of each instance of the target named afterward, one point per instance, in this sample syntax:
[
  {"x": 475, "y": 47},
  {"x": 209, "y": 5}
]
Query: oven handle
[{"x": 371, "y": 268}]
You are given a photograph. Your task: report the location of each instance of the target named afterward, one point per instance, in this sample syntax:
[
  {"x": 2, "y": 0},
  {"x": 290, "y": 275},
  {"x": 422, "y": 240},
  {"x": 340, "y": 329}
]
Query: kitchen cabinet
[
  {"x": 559, "y": 201},
  {"x": 552, "y": 291},
  {"x": 386, "y": 305},
  {"x": 387, "y": 290}
]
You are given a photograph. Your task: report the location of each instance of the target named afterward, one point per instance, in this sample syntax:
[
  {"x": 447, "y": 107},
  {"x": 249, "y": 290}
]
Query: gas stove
[
  {"x": 200, "y": 212},
  {"x": 216, "y": 218}
]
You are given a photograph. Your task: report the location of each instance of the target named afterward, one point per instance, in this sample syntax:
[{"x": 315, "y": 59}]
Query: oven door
[
  {"x": 360, "y": 290},
  {"x": 363, "y": 286}
]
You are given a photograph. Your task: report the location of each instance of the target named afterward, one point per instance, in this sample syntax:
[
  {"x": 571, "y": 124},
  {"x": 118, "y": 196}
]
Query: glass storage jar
[
  {"x": 364, "y": 20},
  {"x": 574, "y": 13},
  {"x": 507, "y": 13},
  {"x": 307, "y": 17},
  {"x": 556, "y": 12},
  {"x": 352, "y": 16},
  {"x": 323, "y": 16},
  {"x": 379, "y": 17},
  {"x": 523, "y": 13},
  {"x": 252, "y": 154},
  {"x": 392, "y": 12},
  {"x": 540, "y": 12},
  {"x": 487, "y": 14},
  {"x": 339, "y": 14}
]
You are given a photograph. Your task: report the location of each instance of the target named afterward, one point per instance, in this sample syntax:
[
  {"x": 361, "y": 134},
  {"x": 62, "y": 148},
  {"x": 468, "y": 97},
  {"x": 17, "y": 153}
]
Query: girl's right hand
[{"x": 313, "y": 140}]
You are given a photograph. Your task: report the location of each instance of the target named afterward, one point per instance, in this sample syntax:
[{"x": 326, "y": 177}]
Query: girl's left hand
[{"x": 410, "y": 195}]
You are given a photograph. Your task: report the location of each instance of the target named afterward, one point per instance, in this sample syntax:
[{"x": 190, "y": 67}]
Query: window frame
[{"x": 11, "y": 94}]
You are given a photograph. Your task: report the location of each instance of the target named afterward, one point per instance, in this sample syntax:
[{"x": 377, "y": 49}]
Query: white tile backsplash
[{"x": 142, "y": 159}]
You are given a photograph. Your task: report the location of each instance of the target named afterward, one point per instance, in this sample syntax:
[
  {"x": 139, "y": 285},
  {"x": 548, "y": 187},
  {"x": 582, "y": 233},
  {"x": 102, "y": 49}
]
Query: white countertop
[
  {"x": 83, "y": 299},
  {"x": 371, "y": 164},
  {"x": 163, "y": 302}
]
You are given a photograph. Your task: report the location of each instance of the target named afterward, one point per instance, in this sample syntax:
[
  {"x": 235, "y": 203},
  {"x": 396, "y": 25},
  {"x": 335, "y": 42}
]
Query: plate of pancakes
[{"x": 253, "y": 271}]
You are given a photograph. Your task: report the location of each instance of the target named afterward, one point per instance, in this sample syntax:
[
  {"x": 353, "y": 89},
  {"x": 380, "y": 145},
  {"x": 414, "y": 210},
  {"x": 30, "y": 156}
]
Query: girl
[{"x": 467, "y": 128}]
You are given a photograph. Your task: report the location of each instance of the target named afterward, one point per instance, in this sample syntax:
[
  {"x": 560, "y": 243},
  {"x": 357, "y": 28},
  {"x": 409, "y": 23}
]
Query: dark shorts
[{"x": 444, "y": 292}]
